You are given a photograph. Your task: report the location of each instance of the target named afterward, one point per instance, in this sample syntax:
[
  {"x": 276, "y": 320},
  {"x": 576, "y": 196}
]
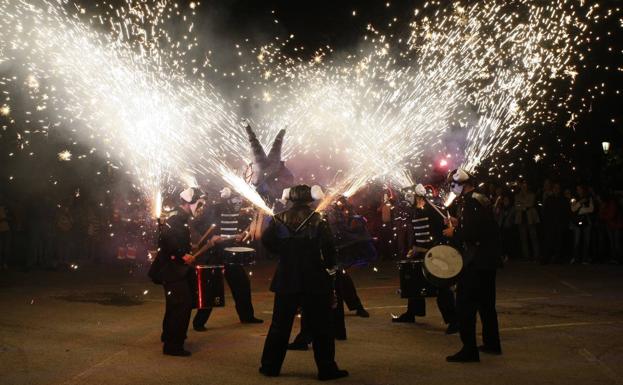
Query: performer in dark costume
[
  {"x": 427, "y": 226},
  {"x": 226, "y": 215},
  {"x": 354, "y": 248},
  {"x": 173, "y": 269},
  {"x": 303, "y": 277},
  {"x": 475, "y": 230}
]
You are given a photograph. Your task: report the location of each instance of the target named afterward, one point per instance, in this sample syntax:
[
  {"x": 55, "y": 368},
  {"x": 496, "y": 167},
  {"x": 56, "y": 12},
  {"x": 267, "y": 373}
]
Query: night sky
[{"x": 320, "y": 24}]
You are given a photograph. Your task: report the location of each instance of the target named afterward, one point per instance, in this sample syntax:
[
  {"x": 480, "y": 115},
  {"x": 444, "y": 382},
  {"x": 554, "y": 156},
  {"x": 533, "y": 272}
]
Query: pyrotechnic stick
[{"x": 444, "y": 216}]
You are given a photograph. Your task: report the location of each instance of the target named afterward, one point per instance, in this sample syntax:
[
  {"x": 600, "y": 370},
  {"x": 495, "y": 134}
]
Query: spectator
[
  {"x": 18, "y": 229},
  {"x": 94, "y": 235},
  {"x": 548, "y": 188},
  {"x": 40, "y": 233},
  {"x": 582, "y": 209},
  {"x": 64, "y": 225},
  {"x": 5, "y": 234},
  {"x": 505, "y": 217},
  {"x": 556, "y": 215},
  {"x": 527, "y": 219},
  {"x": 612, "y": 220}
]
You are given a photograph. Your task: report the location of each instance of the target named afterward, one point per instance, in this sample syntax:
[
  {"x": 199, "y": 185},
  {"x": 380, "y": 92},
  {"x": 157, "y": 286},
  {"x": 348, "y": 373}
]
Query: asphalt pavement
[{"x": 101, "y": 325}]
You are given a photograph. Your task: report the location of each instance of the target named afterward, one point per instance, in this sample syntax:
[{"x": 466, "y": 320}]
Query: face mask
[
  {"x": 194, "y": 207},
  {"x": 410, "y": 198},
  {"x": 456, "y": 188}
]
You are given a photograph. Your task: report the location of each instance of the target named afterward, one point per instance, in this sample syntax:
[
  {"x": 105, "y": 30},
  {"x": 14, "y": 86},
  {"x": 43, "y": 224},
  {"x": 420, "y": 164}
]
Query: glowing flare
[{"x": 244, "y": 189}]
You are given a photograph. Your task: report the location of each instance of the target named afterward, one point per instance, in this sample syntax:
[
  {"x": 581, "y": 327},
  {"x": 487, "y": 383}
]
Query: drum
[
  {"x": 442, "y": 265},
  {"x": 239, "y": 256},
  {"x": 412, "y": 281},
  {"x": 210, "y": 286}
]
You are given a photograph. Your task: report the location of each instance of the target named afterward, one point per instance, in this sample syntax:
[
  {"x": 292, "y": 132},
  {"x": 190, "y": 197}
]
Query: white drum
[{"x": 442, "y": 265}]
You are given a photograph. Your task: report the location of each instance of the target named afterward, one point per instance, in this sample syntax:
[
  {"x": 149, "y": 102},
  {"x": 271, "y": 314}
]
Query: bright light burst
[
  {"x": 481, "y": 71},
  {"x": 245, "y": 189},
  {"x": 64, "y": 155}
]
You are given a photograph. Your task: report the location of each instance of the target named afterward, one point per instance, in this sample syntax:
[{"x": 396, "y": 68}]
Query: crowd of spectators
[
  {"x": 551, "y": 224},
  {"x": 50, "y": 235},
  {"x": 559, "y": 224}
]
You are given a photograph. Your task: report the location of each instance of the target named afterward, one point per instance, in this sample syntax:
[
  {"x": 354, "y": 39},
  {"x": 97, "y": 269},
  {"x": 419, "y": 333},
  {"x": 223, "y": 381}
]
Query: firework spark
[{"x": 486, "y": 70}]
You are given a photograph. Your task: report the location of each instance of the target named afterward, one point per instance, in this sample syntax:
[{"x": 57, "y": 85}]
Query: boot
[
  {"x": 404, "y": 318},
  {"x": 464, "y": 355}
]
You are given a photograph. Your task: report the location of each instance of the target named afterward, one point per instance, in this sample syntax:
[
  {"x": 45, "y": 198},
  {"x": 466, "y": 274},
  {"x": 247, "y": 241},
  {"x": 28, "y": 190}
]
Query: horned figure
[{"x": 270, "y": 174}]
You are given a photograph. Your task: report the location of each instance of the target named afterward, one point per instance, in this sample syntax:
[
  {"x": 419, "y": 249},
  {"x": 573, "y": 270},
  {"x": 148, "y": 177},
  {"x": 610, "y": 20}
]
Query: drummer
[
  {"x": 225, "y": 216},
  {"x": 173, "y": 269},
  {"x": 427, "y": 225},
  {"x": 354, "y": 248},
  {"x": 476, "y": 231}
]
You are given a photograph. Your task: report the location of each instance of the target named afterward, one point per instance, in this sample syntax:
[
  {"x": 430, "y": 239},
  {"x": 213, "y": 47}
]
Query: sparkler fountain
[{"x": 488, "y": 68}]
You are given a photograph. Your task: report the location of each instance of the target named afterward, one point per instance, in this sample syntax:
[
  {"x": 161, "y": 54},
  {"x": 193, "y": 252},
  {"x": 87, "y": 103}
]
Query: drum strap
[
  {"x": 299, "y": 227},
  {"x": 304, "y": 222}
]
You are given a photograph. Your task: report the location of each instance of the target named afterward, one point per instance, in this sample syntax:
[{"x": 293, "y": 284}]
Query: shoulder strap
[
  {"x": 480, "y": 198},
  {"x": 299, "y": 227}
]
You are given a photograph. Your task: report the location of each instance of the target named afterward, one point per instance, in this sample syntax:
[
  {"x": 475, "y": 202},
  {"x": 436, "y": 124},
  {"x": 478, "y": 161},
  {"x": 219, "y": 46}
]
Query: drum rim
[
  {"x": 239, "y": 249},
  {"x": 209, "y": 266}
]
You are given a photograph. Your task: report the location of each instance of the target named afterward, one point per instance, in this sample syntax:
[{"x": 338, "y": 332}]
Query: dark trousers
[
  {"x": 345, "y": 293},
  {"x": 240, "y": 287},
  {"x": 445, "y": 301},
  {"x": 5, "y": 247},
  {"x": 553, "y": 242},
  {"x": 476, "y": 294},
  {"x": 339, "y": 324},
  {"x": 317, "y": 310},
  {"x": 345, "y": 288},
  {"x": 178, "y": 297}
]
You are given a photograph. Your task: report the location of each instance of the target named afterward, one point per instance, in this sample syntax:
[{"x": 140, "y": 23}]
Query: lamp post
[{"x": 606, "y": 147}]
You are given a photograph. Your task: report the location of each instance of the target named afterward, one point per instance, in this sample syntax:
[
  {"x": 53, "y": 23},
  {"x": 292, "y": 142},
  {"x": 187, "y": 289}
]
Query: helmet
[
  {"x": 226, "y": 193},
  {"x": 194, "y": 197},
  {"x": 302, "y": 193},
  {"x": 457, "y": 180},
  {"x": 420, "y": 190}
]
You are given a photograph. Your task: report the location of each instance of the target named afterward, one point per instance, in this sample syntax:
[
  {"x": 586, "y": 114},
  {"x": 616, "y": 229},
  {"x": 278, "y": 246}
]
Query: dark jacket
[
  {"x": 477, "y": 232},
  {"x": 304, "y": 255},
  {"x": 427, "y": 226},
  {"x": 173, "y": 244},
  {"x": 556, "y": 211}
]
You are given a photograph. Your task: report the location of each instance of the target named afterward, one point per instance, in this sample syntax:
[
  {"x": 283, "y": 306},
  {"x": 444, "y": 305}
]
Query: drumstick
[
  {"x": 202, "y": 250},
  {"x": 207, "y": 234}
]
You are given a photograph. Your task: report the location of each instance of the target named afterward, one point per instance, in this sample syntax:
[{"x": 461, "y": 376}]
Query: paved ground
[{"x": 560, "y": 325}]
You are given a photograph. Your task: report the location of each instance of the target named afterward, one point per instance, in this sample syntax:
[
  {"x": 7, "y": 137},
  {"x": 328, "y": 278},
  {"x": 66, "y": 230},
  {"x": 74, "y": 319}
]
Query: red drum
[{"x": 210, "y": 286}]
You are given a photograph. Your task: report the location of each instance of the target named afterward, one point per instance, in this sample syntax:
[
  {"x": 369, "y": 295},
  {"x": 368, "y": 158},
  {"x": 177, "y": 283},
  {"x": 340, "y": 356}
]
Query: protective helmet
[
  {"x": 302, "y": 194},
  {"x": 420, "y": 190},
  {"x": 226, "y": 193},
  {"x": 457, "y": 180}
]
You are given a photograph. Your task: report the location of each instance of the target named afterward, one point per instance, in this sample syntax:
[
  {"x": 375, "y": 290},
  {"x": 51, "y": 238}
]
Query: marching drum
[
  {"x": 442, "y": 265},
  {"x": 239, "y": 256},
  {"x": 412, "y": 280},
  {"x": 210, "y": 286}
]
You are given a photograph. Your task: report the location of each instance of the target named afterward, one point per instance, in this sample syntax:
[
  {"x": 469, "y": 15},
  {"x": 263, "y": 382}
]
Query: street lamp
[{"x": 606, "y": 147}]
